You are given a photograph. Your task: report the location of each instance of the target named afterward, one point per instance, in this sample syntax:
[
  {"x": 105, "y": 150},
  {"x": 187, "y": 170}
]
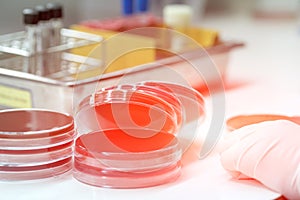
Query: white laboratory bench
[
  {"x": 271, "y": 50},
  {"x": 262, "y": 77}
]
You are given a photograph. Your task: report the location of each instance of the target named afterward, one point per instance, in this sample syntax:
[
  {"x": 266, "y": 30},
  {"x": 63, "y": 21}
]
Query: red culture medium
[
  {"x": 35, "y": 143},
  {"x": 119, "y": 160},
  {"x": 134, "y": 109},
  {"x": 133, "y": 140}
]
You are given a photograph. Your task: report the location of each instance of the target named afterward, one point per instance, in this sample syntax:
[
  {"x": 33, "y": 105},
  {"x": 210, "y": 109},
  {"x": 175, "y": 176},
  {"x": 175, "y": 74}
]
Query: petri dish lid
[
  {"x": 187, "y": 103},
  {"x": 116, "y": 179},
  {"x": 122, "y": 161},
  {"x": 178, "y": 91},
  {"x": 114, "y": 149},
  {"x": 33, "y": 123},
  {"x": 121, "y": 158},
  {"x": 128, "y": 108},
  {"x": 23, "y": 158},
  {"x": 48, "y": 170},
  {"x": 37, "y": 142},
  {"x": 193, "y": 113},
  {"x": 158, "y": 92}
]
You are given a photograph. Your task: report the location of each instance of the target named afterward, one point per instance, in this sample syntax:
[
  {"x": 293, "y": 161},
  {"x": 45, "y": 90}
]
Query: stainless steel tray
[
  {"x": 14, "y": 43},
  {"x": 62, "y": 91}
]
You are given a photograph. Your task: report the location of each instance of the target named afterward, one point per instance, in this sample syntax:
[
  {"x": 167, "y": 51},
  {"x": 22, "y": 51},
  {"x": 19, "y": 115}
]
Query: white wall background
[{"x": 77, "y": 10}]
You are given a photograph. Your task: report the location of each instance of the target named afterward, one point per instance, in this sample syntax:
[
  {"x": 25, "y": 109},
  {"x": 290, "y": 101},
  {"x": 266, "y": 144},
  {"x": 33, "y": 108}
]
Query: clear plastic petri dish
[
  {"x": 33, "y": 123},
  {"x": 118, "y": 148},
  {"x": 192, "y": 101},
  {"x": 193, "y": 110},
  {"x": 155, "y": 91},
  {"x": 124, "y": 152},
  {"x": 116, "y": 159},
  {"x": 35, "y": 143},
  {"x": 52, "y": 169},
  {"x": 126, "y": 108},
  {"x": 38, "y": 142},
  {"x": 22, "y": 158},
  {"x": 126, "y": 180}
]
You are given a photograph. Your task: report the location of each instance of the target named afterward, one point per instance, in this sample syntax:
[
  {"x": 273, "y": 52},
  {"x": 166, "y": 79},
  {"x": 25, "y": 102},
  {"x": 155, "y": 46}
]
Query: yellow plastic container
[
  {"x": 114, "y": 52},
  {"x": 204, "y": 37}
]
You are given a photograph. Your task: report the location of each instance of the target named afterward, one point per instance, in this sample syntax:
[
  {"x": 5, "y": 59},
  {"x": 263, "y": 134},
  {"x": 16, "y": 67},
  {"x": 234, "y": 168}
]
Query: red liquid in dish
[
  {"x": 135, "y": 111},
  {"x": 37, "y": 171},
  {"x": 167, "y": 96},
  {"x": 27, "y": 123},
  {"x": 35, "y": 143},
  {"x": 36, "y": 151},
  {"x": 135, "y": 141},
  {"x": 113, "y": 158},
  {"x": 122, "y": 141},
  {"x": 191, "y": 100},
  {"x": 37, "y": 167},
  {"x": 134, "y": 115}
]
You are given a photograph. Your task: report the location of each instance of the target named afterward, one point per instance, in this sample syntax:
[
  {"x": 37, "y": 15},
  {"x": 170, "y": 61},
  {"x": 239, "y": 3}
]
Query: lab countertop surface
[{"x": 262, "y": 77}]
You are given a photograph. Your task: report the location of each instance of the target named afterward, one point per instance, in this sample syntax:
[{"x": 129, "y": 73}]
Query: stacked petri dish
[
  {"x": 134, "y": 135},
  {"x": 35, "y": 143}
]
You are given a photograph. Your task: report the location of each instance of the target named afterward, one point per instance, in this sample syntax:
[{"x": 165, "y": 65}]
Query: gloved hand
[{"x": 268, "y": 152}]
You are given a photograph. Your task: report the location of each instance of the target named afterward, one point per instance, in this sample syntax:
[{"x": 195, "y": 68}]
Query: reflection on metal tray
[
  {"x": 15, "y": 43},
  {"x": 15, "y": 54},
  {"x": 69, "y": 65},
  {"x": 62, "y": 90}
]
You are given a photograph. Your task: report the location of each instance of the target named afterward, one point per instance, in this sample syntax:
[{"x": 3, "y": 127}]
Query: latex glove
[{"x": 268, "y": 152}]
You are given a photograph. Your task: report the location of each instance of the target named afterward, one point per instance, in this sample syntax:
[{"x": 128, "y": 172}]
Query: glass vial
[
  {"x": 44, "y": 27},
  {"x": 56, "y": 22},
  {"x": 43, "y": 40},
  {"x": 30, "y": 20}
]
